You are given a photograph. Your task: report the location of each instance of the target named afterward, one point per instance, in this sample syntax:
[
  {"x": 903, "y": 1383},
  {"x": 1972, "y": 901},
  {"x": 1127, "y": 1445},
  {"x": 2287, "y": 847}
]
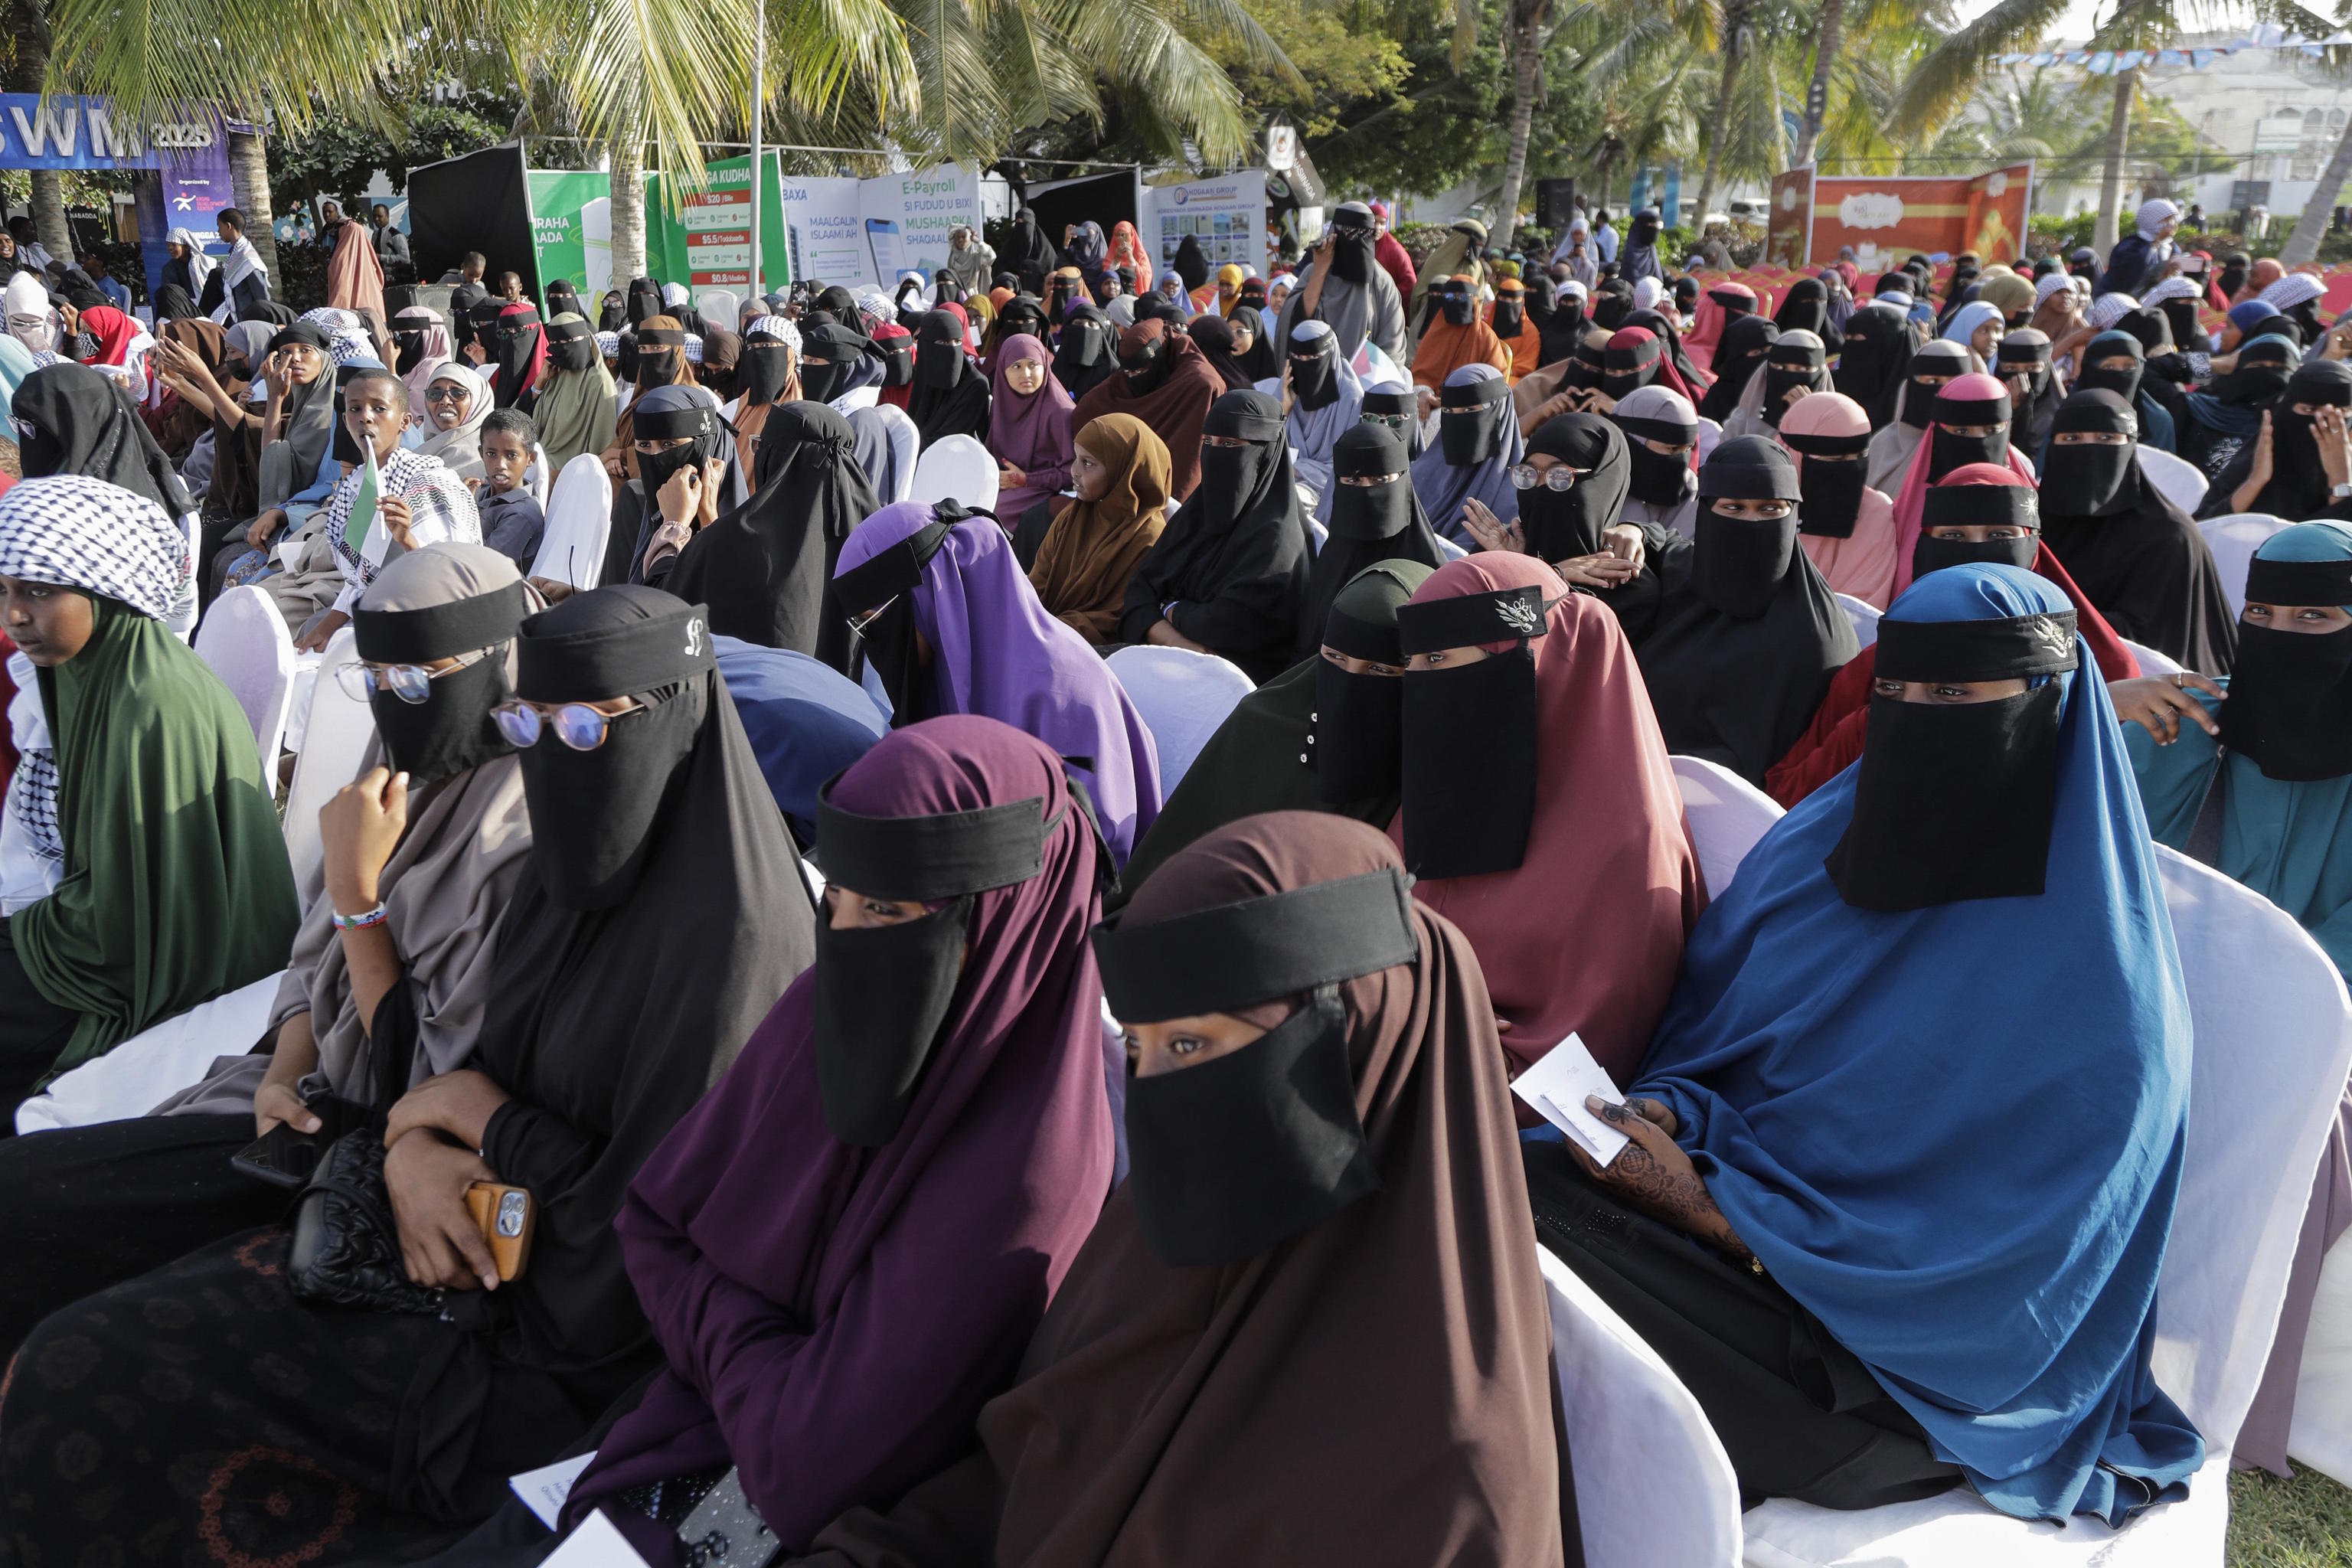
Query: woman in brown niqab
[{"x": 1373, "y": 1388}]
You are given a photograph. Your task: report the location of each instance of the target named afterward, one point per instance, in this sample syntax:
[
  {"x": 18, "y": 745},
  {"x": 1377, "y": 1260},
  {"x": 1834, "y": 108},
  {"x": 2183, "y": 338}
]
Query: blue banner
[{"x": 70, "y": 132}]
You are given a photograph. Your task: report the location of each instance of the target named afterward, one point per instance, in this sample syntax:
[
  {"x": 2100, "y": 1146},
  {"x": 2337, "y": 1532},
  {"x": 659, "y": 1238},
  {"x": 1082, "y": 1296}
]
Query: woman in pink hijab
[
  {"x": 1845, "y": 526},
  {"x": 1968, "y": 423},
  {"x": 1028, "y": 426},
  {"x": 1719, "y": 304}
]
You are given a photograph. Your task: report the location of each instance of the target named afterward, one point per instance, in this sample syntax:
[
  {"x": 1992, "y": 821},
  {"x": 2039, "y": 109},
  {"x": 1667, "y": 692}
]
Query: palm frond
[{"x": 1941, "y": 82}]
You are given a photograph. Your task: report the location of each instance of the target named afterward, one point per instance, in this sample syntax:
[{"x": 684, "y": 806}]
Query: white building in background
[{"x": 2278, "y": 113}]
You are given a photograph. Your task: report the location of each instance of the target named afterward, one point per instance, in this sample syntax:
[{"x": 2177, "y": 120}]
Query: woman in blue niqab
[{"x": 1953, "y": 1133}]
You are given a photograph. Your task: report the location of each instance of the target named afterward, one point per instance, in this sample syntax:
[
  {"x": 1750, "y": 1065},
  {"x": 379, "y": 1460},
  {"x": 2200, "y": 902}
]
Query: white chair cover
[
  {"x": 720, "y": 308},
  {"x": 2321, "y": 1434},
  {"x": 1863, "y": 617},
  {"x": 2274, "y": 1033},
  {"x": 2177, "y": 479},
  {"x": 1183, "y": 696},
  {"x": 579, "y": 520},
  {"x": 2150, "y": 661},
  {"x": 537, "y": 477},
  {"x": 2233, "y": 540},
  {"x": 1726, "y": 816},
  {"x": 957, "y": 468},
  {"x": 244, "y": 639},
  {"x": 153, "y": 1065},
  {"x": 334, "y": 740}
]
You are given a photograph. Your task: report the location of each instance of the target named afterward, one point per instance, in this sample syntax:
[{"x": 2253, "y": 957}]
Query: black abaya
[
  {"x": 1231, "y": 570},
  {"x": 2150, "y": 571},
  {"x": 951, "y": 394},
  {"x": 765, "y": 568}
]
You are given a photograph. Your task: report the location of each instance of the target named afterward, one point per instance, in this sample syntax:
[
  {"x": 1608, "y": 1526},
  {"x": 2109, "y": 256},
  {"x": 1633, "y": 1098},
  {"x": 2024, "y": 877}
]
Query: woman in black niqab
[
  {"x": 2136, "y": 557},
  {"x": 1213, "y": 336},
  {"x": 1376, "y": 516},
  {"x": 950, "y": 395},
  {"x": 2299, "y": 488},
  {"x": 1086, "y": 348},
  {"x": 1806, "y": 308},
  {"x": 1028, "y": 252},
  {"x": 765, "y": 567},
  {"x": 1258, "y": 362},
  {"x": 1230, "y": 572},
  {"x": 1873, "y": 359},
  {"x": 1740, "y": 354},
  {"x": 1191, "y": 265}
]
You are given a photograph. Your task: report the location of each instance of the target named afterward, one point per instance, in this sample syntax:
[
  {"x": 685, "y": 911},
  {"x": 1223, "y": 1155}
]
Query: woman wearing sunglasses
[
  {"x": 386, "y": 981},
  {"x": 457, "y": 401},
  {"x": 656, "y": 918}
]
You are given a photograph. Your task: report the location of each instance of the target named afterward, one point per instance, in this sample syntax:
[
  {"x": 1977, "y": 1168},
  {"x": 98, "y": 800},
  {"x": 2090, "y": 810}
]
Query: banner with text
[
  {"x": 1227, "y": 214},
  {"x": 703, "y": 239},
  {"x": 1887, "y": 217},
  {"x": 571, "y": 230}
]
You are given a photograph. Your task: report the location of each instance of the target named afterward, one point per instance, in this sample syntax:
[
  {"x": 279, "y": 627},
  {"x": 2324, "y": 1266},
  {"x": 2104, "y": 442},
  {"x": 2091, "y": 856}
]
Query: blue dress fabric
[
  {"x": 1954, "y": 1134},
  {"x": 806, "y": 720},
  {"x": 1443, "y": 487}
]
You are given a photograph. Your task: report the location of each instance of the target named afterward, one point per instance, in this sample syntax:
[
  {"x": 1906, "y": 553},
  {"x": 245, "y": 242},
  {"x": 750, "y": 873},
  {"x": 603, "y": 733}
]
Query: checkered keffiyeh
[
  {"x": 2291, "y": 291},
  {"x": 609, "y": 345},
  {"x": 33, "y": 800},
  {"x": 330, "y": 320},
  {"x": 694, "y": 348},
  {"x": 100, "y": 538},
  {"x": 876, "y": 308},
  {"x": 777, "y": 326},
  {"x": 2109, "y": 308},
  {"x": 441, "y": 509},
  {"x": 348, "y": 347}
]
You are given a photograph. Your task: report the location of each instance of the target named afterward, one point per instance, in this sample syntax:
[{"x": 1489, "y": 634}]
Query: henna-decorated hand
[{"x": 1654, "y": 1174}]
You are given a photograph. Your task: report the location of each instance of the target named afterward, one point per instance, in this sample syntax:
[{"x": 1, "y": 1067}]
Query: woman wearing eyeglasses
[
  {"x": 387, "y": 976},
  {"x": 655, "y": 919}
]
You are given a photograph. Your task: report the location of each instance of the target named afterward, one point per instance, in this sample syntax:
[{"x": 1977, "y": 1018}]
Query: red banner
[
  {"x": 1786, "y": 233},
  {"x": 1885, "y": 218}
]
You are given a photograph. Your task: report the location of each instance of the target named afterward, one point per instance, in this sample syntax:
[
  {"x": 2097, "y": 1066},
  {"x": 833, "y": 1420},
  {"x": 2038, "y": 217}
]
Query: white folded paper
[
  {"x": 544, "y": 1489},
  {"x": 1556, "y": 1086}
]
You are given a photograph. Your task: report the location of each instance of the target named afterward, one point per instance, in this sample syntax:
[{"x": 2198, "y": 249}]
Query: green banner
[
  {"x": 572, "y": 229},
  {"x": 704, "y": 240}
]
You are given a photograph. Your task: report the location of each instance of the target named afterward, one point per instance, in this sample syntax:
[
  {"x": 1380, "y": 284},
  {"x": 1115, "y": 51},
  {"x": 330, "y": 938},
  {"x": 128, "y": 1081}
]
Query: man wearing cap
[
  {"x": 1389, "y": 252},
  {"x": 1346, "y": 287}
]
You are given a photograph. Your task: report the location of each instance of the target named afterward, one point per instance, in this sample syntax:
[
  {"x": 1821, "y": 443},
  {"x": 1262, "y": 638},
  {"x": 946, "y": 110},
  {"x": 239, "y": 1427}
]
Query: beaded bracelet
[{"x": 374, "y": 916}]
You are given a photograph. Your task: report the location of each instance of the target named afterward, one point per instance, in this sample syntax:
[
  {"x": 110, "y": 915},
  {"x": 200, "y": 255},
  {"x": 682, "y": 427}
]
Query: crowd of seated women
[{"x": 942, "y": 1140}]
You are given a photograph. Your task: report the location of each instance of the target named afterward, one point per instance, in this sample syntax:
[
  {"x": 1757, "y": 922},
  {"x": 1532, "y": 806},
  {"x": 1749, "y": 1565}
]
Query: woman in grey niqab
[{"x": 1312, "y": 431}]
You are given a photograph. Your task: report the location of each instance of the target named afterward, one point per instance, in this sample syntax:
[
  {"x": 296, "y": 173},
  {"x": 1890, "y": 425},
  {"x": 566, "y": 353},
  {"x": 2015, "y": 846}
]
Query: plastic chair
[
  {"x": 334, "y": 742},
  {"x": 2177, "y": 480},
  {"x": 2150, "y": 661},
  {"x": 2274, "y": 1044},
  {"x": 1726, "y": 816},
  {"x": 579, "y": 520},
  {"x": 1863, "y": 617},
  {"x": 155, "y": 1064},
  {"x": 957, "y": 468},
  {"x": 2233, "y": 541},
  {"x": 244, "y": 639},
  {"x": 1183, "y": 696}
]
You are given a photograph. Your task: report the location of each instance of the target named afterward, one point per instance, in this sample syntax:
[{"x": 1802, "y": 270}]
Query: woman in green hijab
[
  {"x": 1326, "y": 734},
  {"x": 171, "y": 883},
  {"x": 2257, "y": 784},
  {"x": 577, "y": 401}
]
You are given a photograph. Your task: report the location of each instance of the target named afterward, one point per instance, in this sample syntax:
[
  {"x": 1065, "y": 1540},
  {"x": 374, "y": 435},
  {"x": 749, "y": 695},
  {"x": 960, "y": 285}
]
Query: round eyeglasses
[
  {"x": 411, "y": 683},
  {"x": 577, "y": 725},
  {"x": 1527, "y": 476}
]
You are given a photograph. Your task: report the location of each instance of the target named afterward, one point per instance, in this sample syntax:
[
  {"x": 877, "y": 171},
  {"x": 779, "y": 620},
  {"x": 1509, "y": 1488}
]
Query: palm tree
[
  {"x": 31, "y": 63},
  {"x": 1523, "y": 25}
]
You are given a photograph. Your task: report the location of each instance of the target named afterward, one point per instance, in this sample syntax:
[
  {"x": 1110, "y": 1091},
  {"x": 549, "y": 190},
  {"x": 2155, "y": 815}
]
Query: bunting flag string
[{"x": 2107, "y": 62}]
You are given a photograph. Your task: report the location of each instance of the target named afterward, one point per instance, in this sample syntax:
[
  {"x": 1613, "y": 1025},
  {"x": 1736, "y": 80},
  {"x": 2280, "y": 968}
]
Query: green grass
[{"x": 2303, "y": 1523}]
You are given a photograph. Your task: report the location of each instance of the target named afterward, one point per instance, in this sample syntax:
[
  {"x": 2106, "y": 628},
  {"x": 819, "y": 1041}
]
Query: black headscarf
[
  {"x": 1234, "y": 559},
  {"x": 2136, "y": 557},
  {"x": 2234, "y": 268},
  {"x": 1806, "y": 308},
  {"x": 1213, "y": 336},
  {"x": 1559, "y": 318},
  {"x": 1085, "y": 350},
  {"x": 173, "y": 304},
  {"x": 1745, "y": 635},
  {"x": 1189, "y": 264},
  {"x": 613, "y": 314},
  {"x": 1670, "y": 342},
  {"x": 1873, "y": 359},
  {"x": 81, "y": 423},
  {"x": 765, "y": 567},
  {"x": 1738, "y": 356},
  {"x": 1368, "y": 523},
  {"x": 657, "y": 855},
  {"x": 514, "y": 342},
  {"x": 2298, "y": 490},
  {"x": 846, "y": 351},
  {"x": 645, "y": 301},
  {"x": 1258, "y": 362},
  {"x": 1028, "y": 252},
  {"x": 1561, "y": 525},
  {"x": 950, "y": 396}
]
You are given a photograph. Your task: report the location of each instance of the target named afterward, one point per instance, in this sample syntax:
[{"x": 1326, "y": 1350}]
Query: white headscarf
[
  {"x": 200, "y": 266},
  {"x": 1647, "y": 292},
  {"x": 459, "y": 447},
  {"x": 2152, "y": 215},
  {"x": 2050, "y": 284},
  {"x": 30, "y": 321},
  {"x": 2109, "y": 308},
  {"x": 2284, "y": 295}
]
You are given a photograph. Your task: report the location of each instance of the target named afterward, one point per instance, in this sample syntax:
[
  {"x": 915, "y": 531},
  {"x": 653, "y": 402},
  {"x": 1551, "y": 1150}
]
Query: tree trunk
[
  {"x": 2111, "y": 180},
  {"x": 628, "y": 165},
  {"x": 1524, "y": 59},
  {"x": 2312, "y": 226},
  {"x": 50, "y": 226},
  {"x": 1735, "y": 22},
  {"x": 248, "y": 168},
  {"x": 1825, "y": 48}
]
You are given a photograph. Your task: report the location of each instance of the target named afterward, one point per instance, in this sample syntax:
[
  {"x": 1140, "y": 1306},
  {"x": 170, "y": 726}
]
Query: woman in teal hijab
[
  {"x": 2259, "y": 786},
  {"x": 152, "y": 853}
]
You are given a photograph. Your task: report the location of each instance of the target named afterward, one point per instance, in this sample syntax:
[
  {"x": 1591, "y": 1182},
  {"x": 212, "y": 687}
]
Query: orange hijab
[
  {"x": 1446, "y": 348},
  {"x": 1526, "y": 348}
]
